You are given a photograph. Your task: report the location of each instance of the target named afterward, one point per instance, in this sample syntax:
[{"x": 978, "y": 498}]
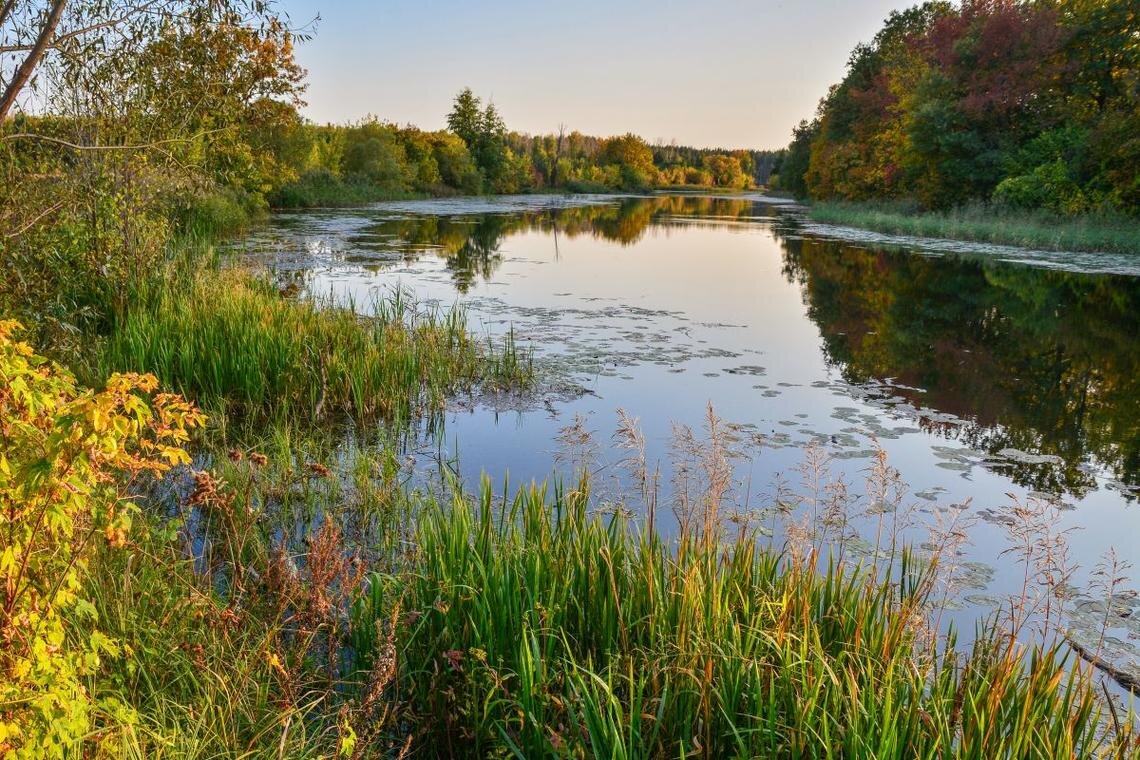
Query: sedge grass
[
  {"x": 985, "y": 224},
  {"x": 228, "y": 337},
  {"x": 194, "y": 677},
  {"x": 533, "y": 628}
]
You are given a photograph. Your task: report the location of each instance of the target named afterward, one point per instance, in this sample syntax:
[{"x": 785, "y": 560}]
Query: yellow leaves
[
  {"x": 174, "y": 455},
  {"x": 63, "y": 451},
  {"x": 9, "y": 327},
  {"x": 347, "y": 743},
  {"x": 99, "y": 419},
  {"x": 116, "y": 536},
  {"x": 274, "y": 662},
  {"x": 8, "y": 560}
]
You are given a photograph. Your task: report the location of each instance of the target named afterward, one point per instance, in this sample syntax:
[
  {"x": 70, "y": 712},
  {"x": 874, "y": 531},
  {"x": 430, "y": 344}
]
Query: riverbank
[
  {"x": 985, "y": 224},
  {"x": 303, "y": 603}
]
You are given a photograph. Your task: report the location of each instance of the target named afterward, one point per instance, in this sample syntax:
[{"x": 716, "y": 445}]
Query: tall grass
[
  {"x": 989, "y": 224},
  {"x": 227, "y": 337},
  {"x": 309, "y": 603},
  {"x": 196, "y": 678},
  {"x": 534, "y": 628}
]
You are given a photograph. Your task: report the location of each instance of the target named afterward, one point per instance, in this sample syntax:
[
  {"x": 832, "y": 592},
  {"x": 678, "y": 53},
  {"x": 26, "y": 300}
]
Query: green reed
[
  {"x": 532, "y": 627},
  {"x": 229, "y": 337}
]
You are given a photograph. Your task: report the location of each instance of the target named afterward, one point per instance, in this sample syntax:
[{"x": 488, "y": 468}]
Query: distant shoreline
[{"x": 986, "y": 224}]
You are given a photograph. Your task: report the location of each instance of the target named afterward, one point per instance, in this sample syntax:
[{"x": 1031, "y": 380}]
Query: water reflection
[
  {"x": 1038, "y": 369},
  {"x": 1035, "y": 360},
  {"x": 471, "y": 244}
]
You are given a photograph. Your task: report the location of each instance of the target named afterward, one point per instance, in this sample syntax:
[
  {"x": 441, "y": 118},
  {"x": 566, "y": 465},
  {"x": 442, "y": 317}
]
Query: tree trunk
[{"x": 24, "y": 72}]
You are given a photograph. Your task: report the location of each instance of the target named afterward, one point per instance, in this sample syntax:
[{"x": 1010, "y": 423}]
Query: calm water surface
[{"x": 986, "y": 373}]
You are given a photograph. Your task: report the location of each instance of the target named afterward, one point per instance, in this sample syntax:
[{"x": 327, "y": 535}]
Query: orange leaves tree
[{"x": 68, "y": 459}]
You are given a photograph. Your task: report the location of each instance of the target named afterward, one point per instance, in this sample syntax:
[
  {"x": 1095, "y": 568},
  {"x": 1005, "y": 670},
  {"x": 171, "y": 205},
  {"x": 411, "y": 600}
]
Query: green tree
[
  {"x": 374, "y": 153},
  {"x": 633, "y": 158},
  {"x": 466, "y": 118}
]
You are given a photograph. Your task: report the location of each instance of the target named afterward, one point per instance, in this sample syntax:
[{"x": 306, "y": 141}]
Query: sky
[{"x": 707, "y": 73}]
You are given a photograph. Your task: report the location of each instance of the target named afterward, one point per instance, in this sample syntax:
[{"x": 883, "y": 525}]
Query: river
[{"x": 990, "y": 376}]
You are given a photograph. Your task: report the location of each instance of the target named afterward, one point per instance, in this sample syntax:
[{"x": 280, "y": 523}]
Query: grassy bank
[
  {"x": 322, "y": 189},
  {"x": 229, "y": 339},
  {"x": 296, "y": 600},
  {"x": 986, "y": 224}
]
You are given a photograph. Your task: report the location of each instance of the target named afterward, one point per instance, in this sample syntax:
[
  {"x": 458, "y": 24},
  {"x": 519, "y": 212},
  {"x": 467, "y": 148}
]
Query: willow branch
[
  {"x": 133, "y": 146},
  {"x": 72, "y": 34}
]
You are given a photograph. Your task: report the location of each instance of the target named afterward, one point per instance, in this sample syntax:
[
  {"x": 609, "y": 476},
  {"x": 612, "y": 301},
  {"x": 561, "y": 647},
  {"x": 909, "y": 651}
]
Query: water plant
[
  {"x": 230, "y": 337},
  {"x": 535, "y": 628}
]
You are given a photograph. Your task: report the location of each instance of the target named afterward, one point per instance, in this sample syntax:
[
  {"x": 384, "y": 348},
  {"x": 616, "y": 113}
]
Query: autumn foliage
[
  {"x": 68, "y": 459},
  {"x": 1032, "y": 105}
]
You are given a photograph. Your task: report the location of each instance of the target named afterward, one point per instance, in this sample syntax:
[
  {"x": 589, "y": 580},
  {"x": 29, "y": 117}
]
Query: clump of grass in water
[
  {"x": 535, "y": 627},
  {"x": 229, "y": 337},
  {"x": 540, "y": 630}
]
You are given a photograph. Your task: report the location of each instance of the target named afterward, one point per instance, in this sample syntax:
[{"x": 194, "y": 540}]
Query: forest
[
  {"x": 372, "y": 160},
  {"x": 1025, "y": 106}
]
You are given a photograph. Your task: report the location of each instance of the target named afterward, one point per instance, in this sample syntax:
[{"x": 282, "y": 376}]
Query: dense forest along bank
[{"x": 992, "y": 377}]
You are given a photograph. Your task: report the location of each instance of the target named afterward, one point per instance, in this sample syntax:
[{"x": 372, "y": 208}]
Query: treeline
[
  {"x": 1028, "y": 105},
  {"x": 477, "y": 153}
]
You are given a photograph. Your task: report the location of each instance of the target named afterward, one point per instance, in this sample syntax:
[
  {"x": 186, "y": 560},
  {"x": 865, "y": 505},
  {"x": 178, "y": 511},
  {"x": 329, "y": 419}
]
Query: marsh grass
[
  {"x": 228, "y": 338},
  {"x": 537, "y": 625},
  {"x": 196, "y": 673},
  {"x": 534, "y": 628},
  {"x": 987, "y": 224},
  {"x": 308, "y": 602}
]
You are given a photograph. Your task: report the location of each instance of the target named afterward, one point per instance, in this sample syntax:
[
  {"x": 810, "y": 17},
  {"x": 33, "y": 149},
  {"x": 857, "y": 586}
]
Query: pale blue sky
[{"x": 727, "y": 73}]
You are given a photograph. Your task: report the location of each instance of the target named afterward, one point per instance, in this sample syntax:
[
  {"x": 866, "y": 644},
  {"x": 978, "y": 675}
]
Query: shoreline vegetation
[
  {"x": 1107, "y": 233},
  {"x": 1001, "y": 122},
  {"x": 212, "y": 542},
  {"x": 290, "y": 597},
  {"x": 477, "y": 154}
]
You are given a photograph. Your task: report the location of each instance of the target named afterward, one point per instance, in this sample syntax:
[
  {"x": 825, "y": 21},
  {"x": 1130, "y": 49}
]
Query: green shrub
[
  {"x": 222, "y": 212},
  {"x": 65, "y": 455}
]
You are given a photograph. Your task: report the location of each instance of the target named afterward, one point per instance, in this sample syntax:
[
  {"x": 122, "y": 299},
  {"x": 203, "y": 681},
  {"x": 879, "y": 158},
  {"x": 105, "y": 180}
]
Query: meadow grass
[
  {"x": 986, "y": 224},
  {"x": 228, "y": 339}
]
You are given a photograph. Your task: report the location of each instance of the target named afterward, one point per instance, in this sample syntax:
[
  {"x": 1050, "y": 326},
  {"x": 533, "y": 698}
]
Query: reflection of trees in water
[
  {"x": 478, "y": 256},
  {"x": 471, "y": 244},
  {"x": 1034, "y": 359}
]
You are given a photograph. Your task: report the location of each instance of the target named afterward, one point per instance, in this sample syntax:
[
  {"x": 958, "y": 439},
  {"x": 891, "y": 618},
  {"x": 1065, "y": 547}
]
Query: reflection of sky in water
[{"x": 662, "y": 312}]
